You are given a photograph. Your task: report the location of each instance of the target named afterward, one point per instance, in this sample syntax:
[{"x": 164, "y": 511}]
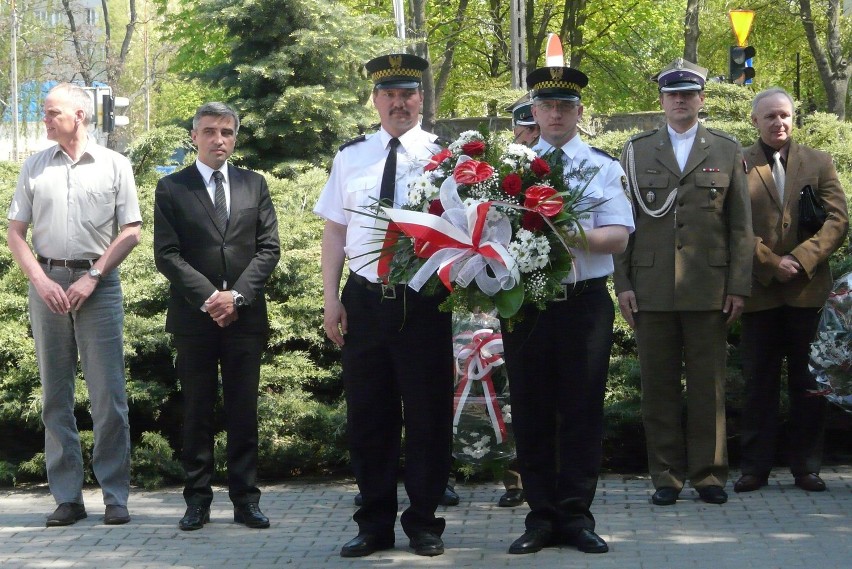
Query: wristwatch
[
  {"x": 239, "y": 300},
  {"x": 95, "y": 273}
]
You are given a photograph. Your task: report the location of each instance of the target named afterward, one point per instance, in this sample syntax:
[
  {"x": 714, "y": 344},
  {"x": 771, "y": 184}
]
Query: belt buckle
[
  {"x": 388, "y": 291},
  {"x": 563, "y": 295}
]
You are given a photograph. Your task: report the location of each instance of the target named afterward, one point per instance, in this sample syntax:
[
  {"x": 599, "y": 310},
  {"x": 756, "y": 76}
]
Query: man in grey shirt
[{"x": 80, "y": 199}]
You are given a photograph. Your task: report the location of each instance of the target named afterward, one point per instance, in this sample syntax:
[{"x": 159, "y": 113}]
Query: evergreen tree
[{"x": 291, "y": 68}]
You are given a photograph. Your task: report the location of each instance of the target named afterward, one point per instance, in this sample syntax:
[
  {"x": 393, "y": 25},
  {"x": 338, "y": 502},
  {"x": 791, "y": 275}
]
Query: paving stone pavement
[{"x": 778, "y": 527}]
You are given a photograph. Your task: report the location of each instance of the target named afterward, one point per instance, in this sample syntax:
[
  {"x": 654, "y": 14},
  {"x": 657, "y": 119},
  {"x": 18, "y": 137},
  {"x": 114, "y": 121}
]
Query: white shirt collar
[
  {"x": 688, "y": 135},
  {"x": 207, "y": 172}
]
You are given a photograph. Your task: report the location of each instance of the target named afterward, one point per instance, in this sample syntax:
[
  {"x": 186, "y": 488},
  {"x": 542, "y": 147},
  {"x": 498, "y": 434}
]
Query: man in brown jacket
[
  {"x": 682, "y": 280},
  {"x": 790, "y": 283}
]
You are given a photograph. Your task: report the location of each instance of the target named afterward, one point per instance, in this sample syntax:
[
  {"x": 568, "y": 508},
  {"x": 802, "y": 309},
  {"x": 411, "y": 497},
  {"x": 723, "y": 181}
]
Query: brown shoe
[
  {"x": 750, "y": 483},
  {"x": 810, "y": 482}
]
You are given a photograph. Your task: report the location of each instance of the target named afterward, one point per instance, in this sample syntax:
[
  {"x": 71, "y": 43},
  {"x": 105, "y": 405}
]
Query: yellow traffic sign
[{"x": 741, "y": 21}]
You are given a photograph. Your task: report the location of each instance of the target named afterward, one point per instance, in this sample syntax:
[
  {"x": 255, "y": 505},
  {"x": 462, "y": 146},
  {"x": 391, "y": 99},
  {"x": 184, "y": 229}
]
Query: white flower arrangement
[{"x": 529, "y": 251}]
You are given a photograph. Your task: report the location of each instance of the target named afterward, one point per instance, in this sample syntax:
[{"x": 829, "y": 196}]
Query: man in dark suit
[
  {"x": 216, "y": 241},
  {"x": 682, "y": 280},
  {"x": 791, "y": 281}
]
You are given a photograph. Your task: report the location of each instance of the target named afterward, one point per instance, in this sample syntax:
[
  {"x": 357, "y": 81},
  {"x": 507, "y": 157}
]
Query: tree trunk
[
  {"x": 421, "y": 47},
  {"x": 691, "y": 32},
  {"x": 571, "y": 31},
  {"x": 832, "y": 64}
]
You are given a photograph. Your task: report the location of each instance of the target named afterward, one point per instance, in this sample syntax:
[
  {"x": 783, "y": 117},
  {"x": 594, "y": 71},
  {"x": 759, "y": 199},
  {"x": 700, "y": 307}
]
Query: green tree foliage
[{"x": 292, "y": 69}]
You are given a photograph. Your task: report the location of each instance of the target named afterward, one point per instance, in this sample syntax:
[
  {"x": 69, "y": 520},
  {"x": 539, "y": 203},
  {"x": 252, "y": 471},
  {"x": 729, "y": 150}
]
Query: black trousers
[
  {"x": 398, "y": 371},
  {"x": 768, "y": 338},
  {"x": 557, "y": 362},
  {"x": 198, "y": 361}
]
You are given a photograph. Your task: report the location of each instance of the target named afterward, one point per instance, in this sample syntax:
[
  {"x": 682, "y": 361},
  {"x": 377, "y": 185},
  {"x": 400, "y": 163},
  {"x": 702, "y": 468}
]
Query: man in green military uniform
[{"x": 682, "y": 280}]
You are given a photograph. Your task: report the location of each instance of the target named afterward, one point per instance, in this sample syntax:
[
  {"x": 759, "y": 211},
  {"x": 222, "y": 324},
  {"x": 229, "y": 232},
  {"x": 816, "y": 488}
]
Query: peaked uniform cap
[
  {"x": 556, "y": 83},
  {"x": 681, "y": 75},
  {"x": 521, "y": 112},
  {"x": 396, "y": 70}
]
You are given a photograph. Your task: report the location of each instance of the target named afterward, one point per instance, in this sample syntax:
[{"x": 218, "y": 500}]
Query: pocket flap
[{"x": 361, "y": 183}]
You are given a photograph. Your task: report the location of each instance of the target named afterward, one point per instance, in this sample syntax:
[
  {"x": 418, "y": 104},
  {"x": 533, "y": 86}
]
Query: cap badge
[
  {"x": 556, "y": 73},
  {"x": 395, "y": 61},
  {"x": 679, "y": 63}
]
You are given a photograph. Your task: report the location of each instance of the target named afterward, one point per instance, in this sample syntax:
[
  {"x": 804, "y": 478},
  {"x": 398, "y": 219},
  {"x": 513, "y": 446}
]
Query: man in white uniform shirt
[
  {"x": 396, "y": 344},
  {"x": 557, "y": 359},
  {"x": 80, "y": 199}
]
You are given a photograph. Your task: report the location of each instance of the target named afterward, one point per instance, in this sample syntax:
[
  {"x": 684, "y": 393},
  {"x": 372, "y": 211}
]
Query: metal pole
[
  {"x": 147, "y": 72},
  {"x": 14, "y": 77},
  {"x": 518, "y": 32}
]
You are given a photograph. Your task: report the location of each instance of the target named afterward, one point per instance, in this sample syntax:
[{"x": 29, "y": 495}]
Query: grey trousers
[{"x": 95, "y": 334}]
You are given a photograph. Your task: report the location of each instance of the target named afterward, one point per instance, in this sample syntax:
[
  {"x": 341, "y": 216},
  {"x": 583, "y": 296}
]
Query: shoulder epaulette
[
  {"x": 355, "y": 140},
  {"x": 604, "y": 152},
  {"x": 643, "y": 134},
  {"x": 724, "y": 134}
]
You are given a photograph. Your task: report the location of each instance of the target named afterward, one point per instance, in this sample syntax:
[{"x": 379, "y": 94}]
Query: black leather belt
[
  {"x": 390, "y": 292},
  {"x": 570, "y": 290},
  {"x": 69, "y": 263}
]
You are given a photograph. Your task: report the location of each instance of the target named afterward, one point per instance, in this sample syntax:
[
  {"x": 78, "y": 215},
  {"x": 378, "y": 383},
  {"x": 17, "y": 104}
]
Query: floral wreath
[{"x": 491, "y": 222}]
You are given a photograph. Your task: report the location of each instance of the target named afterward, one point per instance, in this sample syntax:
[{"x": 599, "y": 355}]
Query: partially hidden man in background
[
  {"x": 682, "y": 281},
  {"x": 396, "y": 344},
  {"x": 558, "y": 359},
  {"x": 216, "y": 241},
  {"x": 81, "y": 201},
  {"x": 791, "y": 281}
]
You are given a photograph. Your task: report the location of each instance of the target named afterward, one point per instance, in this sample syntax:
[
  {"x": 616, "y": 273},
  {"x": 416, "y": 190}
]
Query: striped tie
[{"x": 219, "y": 203}]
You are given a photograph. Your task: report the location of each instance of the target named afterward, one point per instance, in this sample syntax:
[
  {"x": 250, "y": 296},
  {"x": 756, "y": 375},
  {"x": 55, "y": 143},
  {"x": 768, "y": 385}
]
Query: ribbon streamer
[{"x": 474, "y": 362}]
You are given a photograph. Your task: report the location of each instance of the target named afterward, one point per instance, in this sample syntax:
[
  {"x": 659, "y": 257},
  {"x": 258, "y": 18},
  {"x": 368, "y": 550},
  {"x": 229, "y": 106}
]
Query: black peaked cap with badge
[
  {"x": 396, "y": 71},
  {"x": 681, "y": 75},
  {"x": 521, "y": 112},
  {"x": 556, "y": 83}
]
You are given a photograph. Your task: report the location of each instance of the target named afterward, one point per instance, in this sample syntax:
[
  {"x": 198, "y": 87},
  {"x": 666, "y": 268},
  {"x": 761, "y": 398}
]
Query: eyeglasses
[{"x": 561, "y": 106}]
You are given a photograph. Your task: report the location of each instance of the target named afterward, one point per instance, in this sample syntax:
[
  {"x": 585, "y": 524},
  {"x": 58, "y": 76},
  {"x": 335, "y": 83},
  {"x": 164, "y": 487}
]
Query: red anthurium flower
[
  {"x": 532, "y": 221},
  {"x": 512, "y": 184},
  {"x": 472, "y": 172},
  {"x": 474, "y": 148},
  {"x": 425, "y": 249},
  {"x": 437, "y": 159},
  {"x": 544, "y": 200},
  {"x": 436, "y": 207},
  {"x": 540, "y": 167}
]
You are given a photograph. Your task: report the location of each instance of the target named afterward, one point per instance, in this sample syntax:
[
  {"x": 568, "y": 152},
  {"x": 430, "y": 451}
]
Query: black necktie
[
  {"x": 389, "y": 175},
  {"x": 219, "y": 203}
]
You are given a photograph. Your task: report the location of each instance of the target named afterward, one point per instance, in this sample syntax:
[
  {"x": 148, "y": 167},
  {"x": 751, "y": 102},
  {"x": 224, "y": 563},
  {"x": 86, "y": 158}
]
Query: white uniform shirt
[
  {"x": 605, "y": 198},
  {"x": 354, "y": 186},
  {"x": 682, "y": 144},
  {"x": 75, "y": 208}
]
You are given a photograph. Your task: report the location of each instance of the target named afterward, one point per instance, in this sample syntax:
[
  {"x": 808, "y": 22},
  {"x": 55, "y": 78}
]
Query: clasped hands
[{"x": 220, "y": 307}]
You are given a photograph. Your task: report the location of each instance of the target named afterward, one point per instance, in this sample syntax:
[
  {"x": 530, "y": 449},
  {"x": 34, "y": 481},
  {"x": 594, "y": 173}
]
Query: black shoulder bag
[{"x": 811, "y": 213}]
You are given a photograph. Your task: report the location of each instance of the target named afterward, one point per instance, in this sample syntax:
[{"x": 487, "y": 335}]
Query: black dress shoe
[
  {"x": 586, "y": 541},
  {"x": 66, "y": 514},
  {"x": 533, "y": 540},
  {"x": 810, "y": 482},
  {"x": 426, "y": 543},
  {"x": 513, "y": 497},
  {"x": 713, "y": 494},
  {"x": 250, "y": 515},
  {"x": 665, "y": 496},
  {"x": 358, "y": 500},
  {"x": 750, "y": 483},
  {"x": 194, "y": 518},
  {"x": 116, "y": 515},
  {"x": 450, "y": 498},
  {"x": 365, "y": 544}
]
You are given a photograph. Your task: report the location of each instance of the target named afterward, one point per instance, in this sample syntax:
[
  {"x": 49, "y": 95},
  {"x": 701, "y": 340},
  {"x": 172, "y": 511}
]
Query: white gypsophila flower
[
  {"x": 530, "y": 252},
  {"x": 507, "y": 413},
  {"x": 535, "y": 286}
]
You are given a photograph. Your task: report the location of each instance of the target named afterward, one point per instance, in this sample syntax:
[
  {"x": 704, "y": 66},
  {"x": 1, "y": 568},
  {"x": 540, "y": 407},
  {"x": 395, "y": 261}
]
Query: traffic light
[
  {"x": 108, "y": 106},
  {"x": 740, "y": 70}
]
